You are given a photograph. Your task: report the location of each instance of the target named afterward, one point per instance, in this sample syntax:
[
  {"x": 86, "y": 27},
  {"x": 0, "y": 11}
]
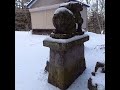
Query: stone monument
[{"x": 66, "y": 45}]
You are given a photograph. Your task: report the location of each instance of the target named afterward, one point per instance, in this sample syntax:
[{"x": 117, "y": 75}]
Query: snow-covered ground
[
  {"x": 99, "y": 79},
  {"x": 31, "y": 57}
]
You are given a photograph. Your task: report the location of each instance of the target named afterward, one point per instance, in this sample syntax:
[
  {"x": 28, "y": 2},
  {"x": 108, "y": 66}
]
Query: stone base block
[{"x": 64, "y": 77}]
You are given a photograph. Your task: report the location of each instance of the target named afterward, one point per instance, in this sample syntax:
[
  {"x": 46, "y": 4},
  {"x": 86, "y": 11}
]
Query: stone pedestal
[{"x": 67, "y": 60}]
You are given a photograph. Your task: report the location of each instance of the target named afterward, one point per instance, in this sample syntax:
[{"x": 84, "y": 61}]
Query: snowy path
[{"x": 31, "y": 57}]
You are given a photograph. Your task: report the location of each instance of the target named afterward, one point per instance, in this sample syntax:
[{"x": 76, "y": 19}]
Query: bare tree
[
  {"x": 102, "y": 7},
  {"x": 96, "y": 10},
  {"x": 20, "y": 4},
  {"x": 88, "y": 1}
]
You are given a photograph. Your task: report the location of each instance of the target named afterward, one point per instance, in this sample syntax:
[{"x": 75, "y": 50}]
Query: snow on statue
[{"x": 66, "y": 17}]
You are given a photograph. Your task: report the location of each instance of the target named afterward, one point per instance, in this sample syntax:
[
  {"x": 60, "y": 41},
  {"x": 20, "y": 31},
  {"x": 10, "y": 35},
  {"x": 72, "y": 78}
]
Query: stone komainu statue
[{"x": 66, "y": 17}]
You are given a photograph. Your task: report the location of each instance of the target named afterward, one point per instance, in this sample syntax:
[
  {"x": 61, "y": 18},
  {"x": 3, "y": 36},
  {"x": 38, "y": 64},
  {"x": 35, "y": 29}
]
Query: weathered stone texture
[
  {"x": 66, "y": 62},
  {"x": 65, "y": 19}
]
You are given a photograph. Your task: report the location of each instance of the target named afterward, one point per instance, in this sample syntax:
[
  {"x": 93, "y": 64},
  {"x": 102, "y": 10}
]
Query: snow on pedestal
[{"x": 66, "y": 40}]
